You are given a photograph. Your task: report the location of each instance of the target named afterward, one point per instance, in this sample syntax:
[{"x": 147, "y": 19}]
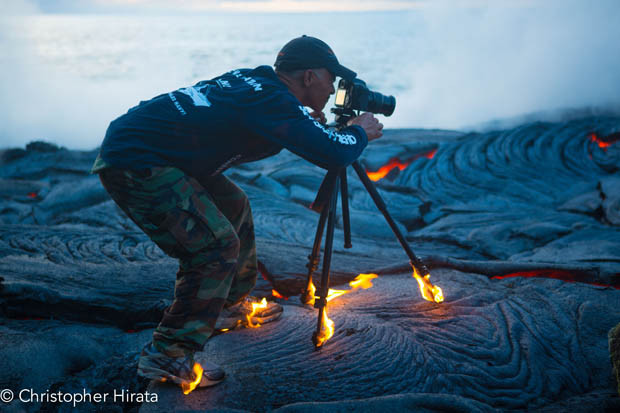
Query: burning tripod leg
[
  {"x": 321, "y": 204},
  {"x": 417, "y": 265},
  {"x": 326, "y": 202},
  {"x": 324, "y": 329}
]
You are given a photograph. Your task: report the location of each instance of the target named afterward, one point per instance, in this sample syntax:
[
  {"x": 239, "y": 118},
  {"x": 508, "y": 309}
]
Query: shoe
[
  {"x": 239, "y": 314},
  {"x": 155, "y": 365}
]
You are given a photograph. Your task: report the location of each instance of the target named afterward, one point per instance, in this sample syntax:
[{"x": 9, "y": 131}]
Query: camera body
[{"x": 355, "y": 95}]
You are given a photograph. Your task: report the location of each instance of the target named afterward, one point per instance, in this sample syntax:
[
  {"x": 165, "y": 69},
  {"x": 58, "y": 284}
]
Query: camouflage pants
[{"x": 208, "y": 227}]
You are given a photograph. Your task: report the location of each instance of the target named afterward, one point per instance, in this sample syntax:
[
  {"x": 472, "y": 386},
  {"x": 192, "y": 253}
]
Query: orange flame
[
  {"x": 189, "y": 387},
  {"x": 328, "y": 330},
  {"x": 331, "y": 293},
  {"x": 255, "y": 308},
  {"x": 363, "y": 281},
  {"x": 310, "y": 292},
  {"x": 276, "y": 294},
  {"x": 429, "y": 291}
]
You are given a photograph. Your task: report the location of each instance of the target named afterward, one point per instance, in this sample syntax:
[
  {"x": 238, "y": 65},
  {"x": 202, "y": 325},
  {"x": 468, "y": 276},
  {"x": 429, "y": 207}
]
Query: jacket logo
[
  {"x": 198, "y": 98},
  {"x": 250, "y": 81},
  {"x": 343, "y": 138}
]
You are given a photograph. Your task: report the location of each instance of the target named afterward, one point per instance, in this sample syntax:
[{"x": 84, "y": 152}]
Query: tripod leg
[
  {"x": 327, "y": 257},
  {"x": 374, "y": 194},
  {"x": 307, "y": 295},
  {"x": 344, "y": 200}
]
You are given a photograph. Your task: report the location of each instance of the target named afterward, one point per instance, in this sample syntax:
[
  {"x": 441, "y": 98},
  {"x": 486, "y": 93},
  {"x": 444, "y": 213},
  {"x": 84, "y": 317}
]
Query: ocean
[{"x": 64, "y": 77}]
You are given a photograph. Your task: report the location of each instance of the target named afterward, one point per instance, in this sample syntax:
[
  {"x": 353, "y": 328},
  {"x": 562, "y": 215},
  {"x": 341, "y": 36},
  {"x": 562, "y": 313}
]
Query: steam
[
  {"x": 497, "y": 61},
  {"x": 450, "y": 65}
]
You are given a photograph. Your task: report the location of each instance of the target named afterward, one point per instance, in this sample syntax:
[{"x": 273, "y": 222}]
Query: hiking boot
[
  {"x": 156, "y": 365},
  {"x": 238, "y": 314}
]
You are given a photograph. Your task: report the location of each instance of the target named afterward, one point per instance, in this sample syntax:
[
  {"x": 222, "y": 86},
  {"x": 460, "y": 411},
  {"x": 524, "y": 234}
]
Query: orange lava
[
  {"x": 430, "y": 154},
  {"x": 567, "y": 276},
  {"x": 385, "y": 169},
  {"x": 397, "y": 163},
  {"x": 606, "y": 142}
]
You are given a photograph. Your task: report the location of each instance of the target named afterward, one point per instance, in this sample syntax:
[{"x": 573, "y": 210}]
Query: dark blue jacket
[{"x": 241, "y": 116}]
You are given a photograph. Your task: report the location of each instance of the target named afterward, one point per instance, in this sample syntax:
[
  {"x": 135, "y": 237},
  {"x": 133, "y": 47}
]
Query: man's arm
[{"x": 280, "y": 118}]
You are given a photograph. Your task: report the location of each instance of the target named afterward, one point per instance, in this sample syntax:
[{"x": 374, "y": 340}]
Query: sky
[
  {"x": 180, "y": 6},
  {"x": 451, "y": 64}
]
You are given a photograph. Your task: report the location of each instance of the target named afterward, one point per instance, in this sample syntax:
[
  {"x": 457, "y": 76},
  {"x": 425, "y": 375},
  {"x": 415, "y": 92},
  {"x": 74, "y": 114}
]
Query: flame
[
  {"x": 189, "y": 387},
  {"x": 276, "y": 294},
  {"x": 429, "y": 291},
  {"x": 327, "y": 331},
  {"x": 255, "y": 308},
  {"x": 310, "y": 292},
  {"x": 331, "y": 294},
  {"x": 363, "y": 281}
]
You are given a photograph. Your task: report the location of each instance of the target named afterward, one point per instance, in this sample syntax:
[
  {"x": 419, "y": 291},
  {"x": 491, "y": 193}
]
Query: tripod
[{"x": 325, "y": 202}]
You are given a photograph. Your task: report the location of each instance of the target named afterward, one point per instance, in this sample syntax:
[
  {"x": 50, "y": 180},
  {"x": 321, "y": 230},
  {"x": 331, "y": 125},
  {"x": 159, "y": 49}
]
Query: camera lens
[{"x": 378, "y": 103}]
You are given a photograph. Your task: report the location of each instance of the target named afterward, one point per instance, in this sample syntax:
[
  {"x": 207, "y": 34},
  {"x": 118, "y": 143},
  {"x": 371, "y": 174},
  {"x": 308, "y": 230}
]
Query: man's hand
[
  {"x": 320, "y": 116},
  {"x": 370, "y": 124}
]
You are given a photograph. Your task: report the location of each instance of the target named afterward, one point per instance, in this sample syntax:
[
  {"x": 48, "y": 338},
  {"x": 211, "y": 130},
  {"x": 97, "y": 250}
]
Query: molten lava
[
  {"x": 605, "y": 142},
  {"x": 429, "y": 291},
  {"x": 397, "y": 163},
  {"x": 255, "y": 308},
  {"x": 564, "y": 275},
  {"x": 385, "y": 169},
  {"x": 189, "y": 387}
]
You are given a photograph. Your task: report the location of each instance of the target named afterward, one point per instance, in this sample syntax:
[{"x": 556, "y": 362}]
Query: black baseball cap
[{"x": 308, "y": 52}]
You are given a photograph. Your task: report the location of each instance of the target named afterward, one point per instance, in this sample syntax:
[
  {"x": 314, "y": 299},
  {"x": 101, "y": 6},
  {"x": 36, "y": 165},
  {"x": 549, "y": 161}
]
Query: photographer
[{"x": 162, "y": 163}]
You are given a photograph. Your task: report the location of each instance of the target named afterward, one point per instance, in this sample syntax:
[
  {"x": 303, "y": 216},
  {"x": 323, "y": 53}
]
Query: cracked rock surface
[{"x": 520, "y": 227}]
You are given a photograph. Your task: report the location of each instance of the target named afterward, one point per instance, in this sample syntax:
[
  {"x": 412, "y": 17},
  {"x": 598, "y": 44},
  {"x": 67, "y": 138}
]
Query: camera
[{"x": 355, "y": 95}]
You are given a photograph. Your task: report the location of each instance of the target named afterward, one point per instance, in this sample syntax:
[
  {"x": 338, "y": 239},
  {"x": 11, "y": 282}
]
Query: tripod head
[{"x": 342, "y": 116}]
